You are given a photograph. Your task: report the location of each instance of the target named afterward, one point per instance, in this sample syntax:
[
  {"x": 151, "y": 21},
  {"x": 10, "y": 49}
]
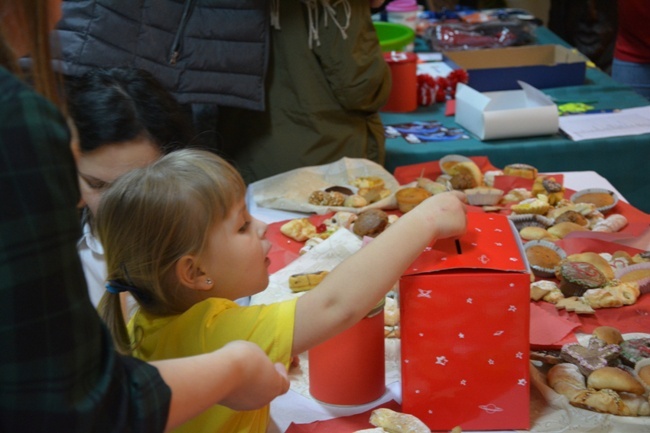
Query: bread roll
[
  {"x": 638, "y": 405},
  {"x": 562, "y": 229},
  {"x": 603, "y": 401},
  {"x": 616, "y": 379},
  {"x": 566, "y": 379},
  {"x": 608, "y": 334}
]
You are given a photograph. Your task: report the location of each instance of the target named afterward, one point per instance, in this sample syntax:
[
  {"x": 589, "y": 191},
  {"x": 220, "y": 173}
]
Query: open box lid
[
  {"x": 506, "y": 114},
  {"x": 491, "y": 243}
]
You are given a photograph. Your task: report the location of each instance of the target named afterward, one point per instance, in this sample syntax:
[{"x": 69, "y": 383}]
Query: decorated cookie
[
  {"x": 595, "y": 355},
  {"x": 634, "y": 350}
]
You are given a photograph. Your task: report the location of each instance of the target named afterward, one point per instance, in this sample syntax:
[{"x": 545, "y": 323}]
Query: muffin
[
  {"x": 578, "y": 277},
  {"x": 603, "y": 199},
  {"x": 543, "y": 257},
  {"x": 370, "y": 222},
  {"x": 408, "y": 198}
]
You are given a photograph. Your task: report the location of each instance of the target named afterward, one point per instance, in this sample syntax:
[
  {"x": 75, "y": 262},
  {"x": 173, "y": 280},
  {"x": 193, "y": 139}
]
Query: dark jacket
[
  {"x": 322, "y": 102},
  {"x": 203, "y": 51}
]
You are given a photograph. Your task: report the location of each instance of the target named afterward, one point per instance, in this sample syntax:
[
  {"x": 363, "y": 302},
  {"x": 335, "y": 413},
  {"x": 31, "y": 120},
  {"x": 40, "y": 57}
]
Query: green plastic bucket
[{"x": 393, "y": 36}]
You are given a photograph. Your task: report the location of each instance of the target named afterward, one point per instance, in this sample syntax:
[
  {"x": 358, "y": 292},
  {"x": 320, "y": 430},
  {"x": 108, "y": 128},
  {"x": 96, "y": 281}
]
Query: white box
[{"x": 506, "y": 114}]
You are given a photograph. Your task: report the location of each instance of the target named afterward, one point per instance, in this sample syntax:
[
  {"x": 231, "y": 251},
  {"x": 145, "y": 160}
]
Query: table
[
  {"x": 623, "y": 161},
  {"x": 298, "y": 408}
]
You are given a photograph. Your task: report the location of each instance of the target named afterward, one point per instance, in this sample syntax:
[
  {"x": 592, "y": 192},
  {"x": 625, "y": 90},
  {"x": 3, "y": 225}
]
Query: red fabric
[{"x": 633, "y": 37}]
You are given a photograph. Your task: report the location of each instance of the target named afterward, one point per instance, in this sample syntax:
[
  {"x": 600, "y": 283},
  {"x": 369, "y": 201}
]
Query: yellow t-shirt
[{"x": 207, "y": 326}]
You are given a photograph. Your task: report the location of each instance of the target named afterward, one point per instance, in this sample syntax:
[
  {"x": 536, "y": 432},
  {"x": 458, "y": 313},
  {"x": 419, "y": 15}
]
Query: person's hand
[
  {"x": 262, "y": 380},
  {"x": 448, "y": 212}
]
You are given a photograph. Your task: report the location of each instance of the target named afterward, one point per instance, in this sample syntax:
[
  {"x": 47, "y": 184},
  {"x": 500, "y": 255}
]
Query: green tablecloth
[{"x": 624, "y": 161}]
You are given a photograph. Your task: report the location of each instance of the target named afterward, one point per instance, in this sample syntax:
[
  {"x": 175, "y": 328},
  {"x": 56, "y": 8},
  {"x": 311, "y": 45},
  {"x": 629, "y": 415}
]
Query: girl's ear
[{"x": 190, "y": 275}]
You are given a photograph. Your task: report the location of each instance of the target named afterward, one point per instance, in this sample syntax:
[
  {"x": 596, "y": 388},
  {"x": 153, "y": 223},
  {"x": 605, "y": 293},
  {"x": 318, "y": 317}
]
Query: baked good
[
  {"x": 612, "y": 224},
  {"x": 370, "y": 182},
  {"x": 590, "y": 358},
  {"x": 467, "y": 168},
  {"x": 574, "y": 304},
  {"x": 324, "y": 198},
  {"x": 634, "y": 350},
  {"x": 432, "y": 186},
  {"x": 462, "y": 181},
  {"x": 551, "y": 357},
  {"x": 578, "y": 277},
  {"x": 532, "y": 233},
  {"x": 600, "y": 198},
  {"x": 595, "y": 259},
  {"x": 615, "y": 379},
  {"x": 566, "y": 379},
  {"x": 539, "y": 289},
  {"x": 299, "y": 229},
  {"x": 338, "y": 188},
  {"x": 538, "y": 205},
  {"x": 610, "y": 296},
  {"x": 543, "y": 257},
  {"x": 573, "y": 217},
  {"x": 562, "y": 229},
  {"x": 483, "y": 196},
  {"x": 397, "y": 422},
  {"x": 603, "y": 401},
  {"x": 355, "y": 200},
  {"x": 608, "y": 334},
  {"x": 409, "y": 197},
  {"x": 516, "y": 195},
  {"x": 520, "y": 170},
  {"x": 306, "y": 281},
  {"x": 644, "y": 375},
  {"x": 370, "y": 222},
  {"x": 550, "y": 187}
]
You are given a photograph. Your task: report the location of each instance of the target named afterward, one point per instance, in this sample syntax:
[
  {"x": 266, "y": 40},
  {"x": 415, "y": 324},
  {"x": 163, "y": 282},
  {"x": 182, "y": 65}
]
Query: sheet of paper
[{"x": 630, "y": 121}]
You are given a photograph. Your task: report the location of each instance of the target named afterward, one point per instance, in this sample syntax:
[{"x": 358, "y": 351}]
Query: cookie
[
  {"x": 634, "y": 350},
  {"x": 595, "y": 355}
]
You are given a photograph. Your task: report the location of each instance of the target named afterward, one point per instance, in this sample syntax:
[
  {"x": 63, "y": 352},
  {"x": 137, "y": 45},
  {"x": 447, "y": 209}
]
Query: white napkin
[{"x": 290, "y": 191}]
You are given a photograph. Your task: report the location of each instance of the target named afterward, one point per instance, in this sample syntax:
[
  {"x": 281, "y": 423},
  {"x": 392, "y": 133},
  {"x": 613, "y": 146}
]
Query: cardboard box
[
  {"x": 542, "y": 66},
  {"x": 465, "y": 331},
  {"x": 506, "y": 114}
]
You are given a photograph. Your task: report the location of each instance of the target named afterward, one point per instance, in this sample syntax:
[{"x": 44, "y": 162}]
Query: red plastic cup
[
  {"x": 350, "y": 369},
  {"x": 403, "y": 94}
]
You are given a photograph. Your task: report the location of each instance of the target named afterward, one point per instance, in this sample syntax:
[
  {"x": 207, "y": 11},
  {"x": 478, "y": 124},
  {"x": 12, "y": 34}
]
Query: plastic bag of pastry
[{"x": 397, "y": 422}]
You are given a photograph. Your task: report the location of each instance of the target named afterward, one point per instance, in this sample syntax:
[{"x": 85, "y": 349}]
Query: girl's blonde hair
[{"x": 153, "y": 216}]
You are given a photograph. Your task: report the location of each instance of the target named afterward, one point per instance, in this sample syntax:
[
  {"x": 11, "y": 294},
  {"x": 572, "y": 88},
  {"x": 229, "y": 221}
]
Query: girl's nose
[{"x": 261, "y": 227}]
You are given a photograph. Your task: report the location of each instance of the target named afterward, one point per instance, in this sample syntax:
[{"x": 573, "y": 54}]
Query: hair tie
[{"x": 115, "y": 287}]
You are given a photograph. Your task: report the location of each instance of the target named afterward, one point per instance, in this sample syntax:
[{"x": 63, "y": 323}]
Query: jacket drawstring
[{"x": 175, "y": 51}]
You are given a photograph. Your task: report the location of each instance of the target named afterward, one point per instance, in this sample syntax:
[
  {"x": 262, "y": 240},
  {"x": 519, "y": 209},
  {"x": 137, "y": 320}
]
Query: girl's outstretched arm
[
  {"x": 239, "y": 375},
  {"x": 354, "y": 287}
]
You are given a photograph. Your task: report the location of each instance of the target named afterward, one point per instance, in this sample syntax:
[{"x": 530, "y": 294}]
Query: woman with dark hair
[{"x": 125, "y": 119}]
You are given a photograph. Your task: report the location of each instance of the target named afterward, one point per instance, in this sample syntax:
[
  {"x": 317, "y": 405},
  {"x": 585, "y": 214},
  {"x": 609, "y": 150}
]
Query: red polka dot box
[{"x": 465, "y": 330}]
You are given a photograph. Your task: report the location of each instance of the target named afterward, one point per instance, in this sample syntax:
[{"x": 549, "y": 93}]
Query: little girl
[{"x": 178, "y": 236}]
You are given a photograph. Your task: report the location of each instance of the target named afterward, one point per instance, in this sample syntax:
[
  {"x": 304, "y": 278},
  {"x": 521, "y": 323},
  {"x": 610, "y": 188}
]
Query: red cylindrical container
[
  {"x": 404, "y": 91},
  {"x": 349, "y": 368}
]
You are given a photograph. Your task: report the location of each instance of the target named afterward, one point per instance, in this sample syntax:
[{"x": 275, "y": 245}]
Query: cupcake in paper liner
[
  {"x": 483, "y": 196},
  {"x": 543, "y": 256},
  {"x": 530, "y": 220},
  {"x": 639, "y": 273},
  {"x": 603, "y": 199}
]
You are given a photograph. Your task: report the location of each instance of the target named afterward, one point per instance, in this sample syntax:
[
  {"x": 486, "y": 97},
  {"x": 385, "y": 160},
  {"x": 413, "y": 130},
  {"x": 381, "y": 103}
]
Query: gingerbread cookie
[{"x": 595, "y": 355}]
